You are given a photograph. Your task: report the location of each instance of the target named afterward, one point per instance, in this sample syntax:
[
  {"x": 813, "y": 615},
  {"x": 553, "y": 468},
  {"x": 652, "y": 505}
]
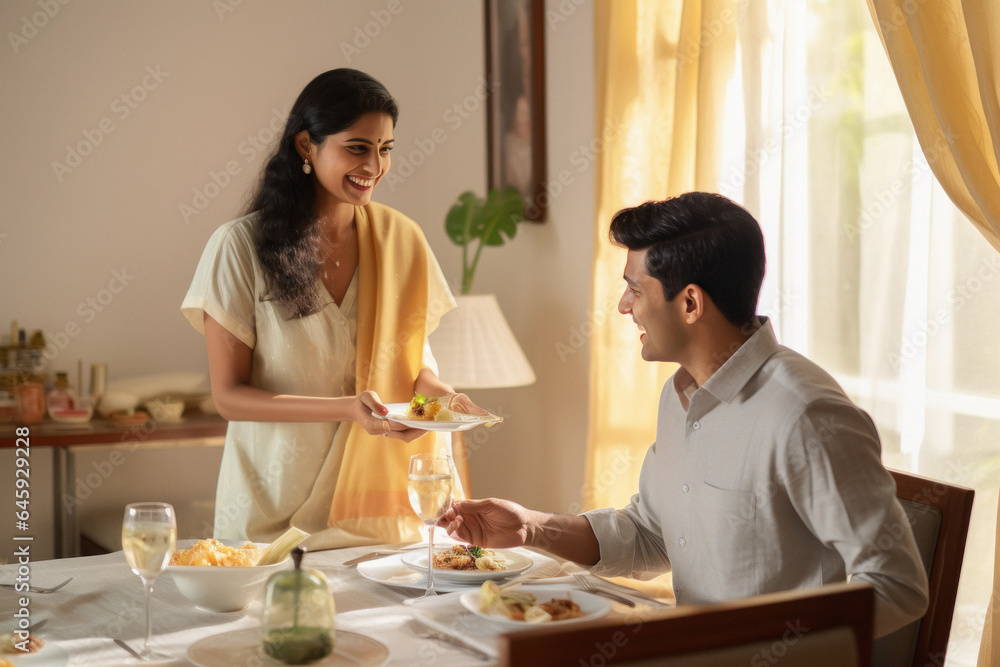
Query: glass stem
[
  {"x": 430, "y": 560},
  {"x": 148, "y": 586}
]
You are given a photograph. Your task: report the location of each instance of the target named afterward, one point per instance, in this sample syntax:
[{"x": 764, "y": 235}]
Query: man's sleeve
[
  {"x": 630, "y": 539},
  {"x": 834, "y": 476}
]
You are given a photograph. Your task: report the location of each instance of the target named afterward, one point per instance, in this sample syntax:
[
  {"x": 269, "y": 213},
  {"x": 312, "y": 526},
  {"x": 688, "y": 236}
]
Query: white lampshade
[{"x": 475, "y": 348}]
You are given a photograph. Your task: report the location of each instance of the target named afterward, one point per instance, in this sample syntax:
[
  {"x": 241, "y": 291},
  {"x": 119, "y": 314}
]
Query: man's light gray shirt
[{"x": 767, "y": 478}]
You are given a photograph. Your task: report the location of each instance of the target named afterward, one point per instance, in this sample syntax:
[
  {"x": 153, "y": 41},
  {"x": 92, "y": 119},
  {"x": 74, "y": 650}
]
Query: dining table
[{"x": 104, "y": 602}]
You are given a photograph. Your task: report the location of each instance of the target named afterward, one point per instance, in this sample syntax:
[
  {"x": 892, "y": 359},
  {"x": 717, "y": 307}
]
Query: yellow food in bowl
[{"x": 214, "y": 553}]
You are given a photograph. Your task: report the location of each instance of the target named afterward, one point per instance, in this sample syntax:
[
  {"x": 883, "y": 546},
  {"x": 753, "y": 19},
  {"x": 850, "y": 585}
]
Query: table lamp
[{"x": 475, "y": 348}]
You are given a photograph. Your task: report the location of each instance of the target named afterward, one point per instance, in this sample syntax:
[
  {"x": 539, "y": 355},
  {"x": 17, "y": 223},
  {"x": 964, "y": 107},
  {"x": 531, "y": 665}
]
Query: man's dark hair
[{"x": 700, "y": 238}]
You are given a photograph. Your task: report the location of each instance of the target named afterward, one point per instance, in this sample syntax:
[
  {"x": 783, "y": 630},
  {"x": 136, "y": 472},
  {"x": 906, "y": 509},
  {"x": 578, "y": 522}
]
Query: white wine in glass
[
  {"x": 149, "y": 537},
  {"x": 429, "y": 487}
]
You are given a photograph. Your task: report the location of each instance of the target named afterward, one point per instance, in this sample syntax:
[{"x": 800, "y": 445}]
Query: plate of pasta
[
  {"x": 469, "y": 564},
  {"x": 517, "y": 608}
]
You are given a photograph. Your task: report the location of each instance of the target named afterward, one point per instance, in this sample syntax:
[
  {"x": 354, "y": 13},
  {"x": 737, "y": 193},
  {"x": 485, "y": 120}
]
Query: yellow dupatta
[{"x": 402, "y": 295}]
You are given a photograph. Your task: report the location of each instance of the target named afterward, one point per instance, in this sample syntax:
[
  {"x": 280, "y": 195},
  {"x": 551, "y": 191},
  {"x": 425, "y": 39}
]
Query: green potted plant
[
  {"x": 472, "y": 219},
  {"x": 474, "y": 346}
]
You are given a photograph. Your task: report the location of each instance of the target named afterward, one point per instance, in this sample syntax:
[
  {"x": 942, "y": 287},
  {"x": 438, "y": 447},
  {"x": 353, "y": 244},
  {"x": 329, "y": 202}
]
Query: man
[{"x": 764, "y": 476}]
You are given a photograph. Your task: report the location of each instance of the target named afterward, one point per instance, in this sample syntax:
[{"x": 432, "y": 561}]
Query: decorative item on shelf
[
  {"x": 474, "y": 346},
  {"x": 30, "y": 398},
  {"x": 22, "y": 376},
  {"x": 98, "y": 382},
  {"x": 65, "y": 405}
]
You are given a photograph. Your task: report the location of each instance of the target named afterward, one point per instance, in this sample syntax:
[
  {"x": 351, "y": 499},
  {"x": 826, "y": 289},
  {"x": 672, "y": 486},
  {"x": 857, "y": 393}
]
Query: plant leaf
[
  {"x": 460, "y": 221},
  {"x": 500, "y": 214}
]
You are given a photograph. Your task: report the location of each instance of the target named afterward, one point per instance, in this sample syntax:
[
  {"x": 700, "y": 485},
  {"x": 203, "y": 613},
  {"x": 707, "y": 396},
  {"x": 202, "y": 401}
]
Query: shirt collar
[{"x": 727, "y": 382}]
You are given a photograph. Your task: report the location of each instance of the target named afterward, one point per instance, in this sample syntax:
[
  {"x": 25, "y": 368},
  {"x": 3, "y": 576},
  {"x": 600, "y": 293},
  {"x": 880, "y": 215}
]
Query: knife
[
  {"x": 388, "y": 550},
  {"x": 129, "y": 649},
  {"x": 612, "y": 596},
  {"x": 372, "y": 556}
]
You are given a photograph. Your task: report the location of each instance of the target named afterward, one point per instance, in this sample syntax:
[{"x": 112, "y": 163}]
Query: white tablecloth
[{"x": 105, "y": 601}]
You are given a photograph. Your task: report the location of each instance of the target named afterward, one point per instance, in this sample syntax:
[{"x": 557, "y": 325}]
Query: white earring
[{"x": 306, "y": 167}]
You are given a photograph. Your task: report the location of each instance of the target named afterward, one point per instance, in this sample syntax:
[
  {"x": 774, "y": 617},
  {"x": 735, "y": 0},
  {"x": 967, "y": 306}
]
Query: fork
[
  {"x": 588, "y": 585},
  {"x": 38, "y": 589}
]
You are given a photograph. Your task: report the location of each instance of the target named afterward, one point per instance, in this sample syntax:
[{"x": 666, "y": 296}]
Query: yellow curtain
[
  {"x": 661, "y": 71},
  {"x": 662, "y": 67},
  {"x": 946, "y": 58}
]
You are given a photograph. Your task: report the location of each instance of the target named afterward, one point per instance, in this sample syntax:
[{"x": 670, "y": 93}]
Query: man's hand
[
  {"x": 490, "y": 523},
  {"x": 497, "y": 524}
]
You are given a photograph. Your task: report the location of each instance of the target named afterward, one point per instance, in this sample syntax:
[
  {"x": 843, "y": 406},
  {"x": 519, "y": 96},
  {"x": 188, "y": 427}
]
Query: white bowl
[
  {"x": 222, "y": 589},
  {"x": 83, "y": 410},
  {"x": 166, "y": 409},
  {"x": 116, "y": 401}
]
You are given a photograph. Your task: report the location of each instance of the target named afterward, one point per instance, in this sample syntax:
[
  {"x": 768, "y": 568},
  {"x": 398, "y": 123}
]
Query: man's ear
[{"x": 694, "y": 302}]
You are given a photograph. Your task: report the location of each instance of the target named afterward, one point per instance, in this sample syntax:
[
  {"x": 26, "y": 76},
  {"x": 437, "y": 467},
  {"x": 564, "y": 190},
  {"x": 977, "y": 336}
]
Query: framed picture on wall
[{"x": 515, "y": 70}]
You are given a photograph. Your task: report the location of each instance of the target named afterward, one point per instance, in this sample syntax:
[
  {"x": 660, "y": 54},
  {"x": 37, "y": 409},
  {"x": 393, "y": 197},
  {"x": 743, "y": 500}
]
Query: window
[{"x": 873, "y": 273}]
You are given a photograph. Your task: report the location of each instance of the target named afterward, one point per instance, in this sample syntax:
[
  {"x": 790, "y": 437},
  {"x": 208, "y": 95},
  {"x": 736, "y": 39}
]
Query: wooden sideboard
[{"x": 82, "y": 475}]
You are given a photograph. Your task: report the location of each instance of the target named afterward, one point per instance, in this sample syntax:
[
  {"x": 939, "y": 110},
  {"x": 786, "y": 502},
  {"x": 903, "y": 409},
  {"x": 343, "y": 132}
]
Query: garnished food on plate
[
  {"x": 423, "y": 408},
  {"x": 461, "y": 557},
  {"x": 518, "y": 605},
  {"x": 16, "y": 643},
  {"x": 215, "y": 553}
]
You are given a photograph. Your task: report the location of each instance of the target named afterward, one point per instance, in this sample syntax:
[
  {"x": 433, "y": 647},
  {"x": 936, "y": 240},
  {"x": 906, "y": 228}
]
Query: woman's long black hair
[{"x": 286, "y": 228}]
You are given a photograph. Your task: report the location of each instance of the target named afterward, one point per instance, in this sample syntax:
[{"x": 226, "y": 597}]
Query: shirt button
[
  {"x": 696, "y": 425},
  {"x": 682, "y": 542},
  {"x": 684, "y": 488}
]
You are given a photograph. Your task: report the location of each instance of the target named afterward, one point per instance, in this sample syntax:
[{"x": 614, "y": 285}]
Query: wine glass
[
  {"x": 149, "y": 536},
  {"x": 429, "y": 486}
]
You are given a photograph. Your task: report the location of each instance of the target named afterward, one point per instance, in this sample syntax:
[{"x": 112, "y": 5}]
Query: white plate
[
  {"x": 515, "y": 562},
  {"x": 239, "y": 648},
  {"x": 50, "y": 656},
  {"x": 392, "y": 572},
  {"x": 591, "y": 605},
  {"x": 397, "y": 413}
]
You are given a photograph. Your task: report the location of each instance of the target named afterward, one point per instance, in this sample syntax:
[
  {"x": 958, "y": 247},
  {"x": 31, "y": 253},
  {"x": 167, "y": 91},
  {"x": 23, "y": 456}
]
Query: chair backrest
[
  {"x": 828, "y": 626},
  {"x": 939, "y": 514}
]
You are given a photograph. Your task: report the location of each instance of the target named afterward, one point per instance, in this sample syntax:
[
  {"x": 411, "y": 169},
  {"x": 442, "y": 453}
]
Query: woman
[{"x": 316, "y": 307}]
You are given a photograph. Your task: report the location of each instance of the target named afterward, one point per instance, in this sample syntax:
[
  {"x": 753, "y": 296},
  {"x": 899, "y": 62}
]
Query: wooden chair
[
  {"x": 939, "y": 514},
  {"x": 829, "y": 626}
]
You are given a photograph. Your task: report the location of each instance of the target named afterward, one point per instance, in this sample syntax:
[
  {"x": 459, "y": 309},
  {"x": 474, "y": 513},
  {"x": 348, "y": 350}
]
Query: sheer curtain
[
  {"x": 946, "y": 59},
  {"x": 660, "y": 89},
  {"x": 872, "y": 271}
]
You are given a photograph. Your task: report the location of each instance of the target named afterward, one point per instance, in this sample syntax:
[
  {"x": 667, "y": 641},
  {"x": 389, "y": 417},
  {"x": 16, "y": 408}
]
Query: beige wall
[{"x": 97, "y": 249}]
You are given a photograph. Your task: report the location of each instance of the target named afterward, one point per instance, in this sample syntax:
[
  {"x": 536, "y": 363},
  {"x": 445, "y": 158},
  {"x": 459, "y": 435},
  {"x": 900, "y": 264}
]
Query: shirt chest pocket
[{"x": 726, "y": 522}]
